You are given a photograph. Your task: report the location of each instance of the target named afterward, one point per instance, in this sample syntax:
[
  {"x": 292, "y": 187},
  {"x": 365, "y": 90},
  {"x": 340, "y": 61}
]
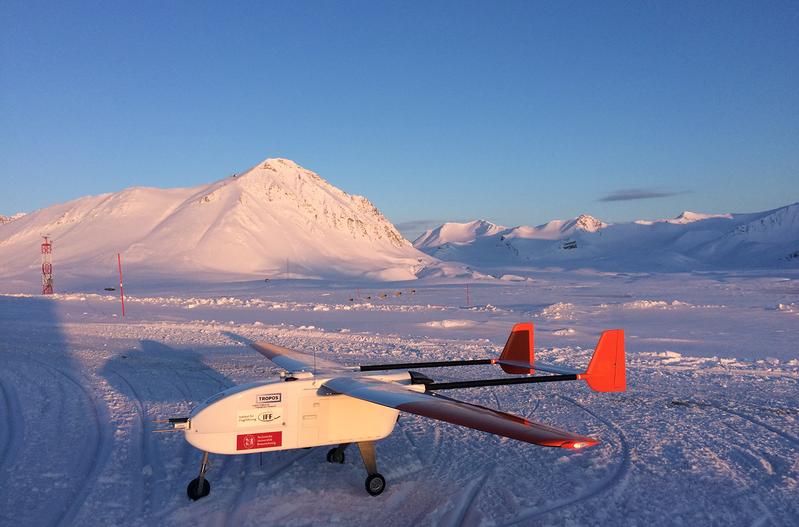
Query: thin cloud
[
  {"x": 418, "y": 225},
  {"x": 631, "y": 194}
]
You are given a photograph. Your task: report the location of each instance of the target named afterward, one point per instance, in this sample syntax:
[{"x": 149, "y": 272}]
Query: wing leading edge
[
  {"x": 456, "y": 412},
  {"x": 295, "y": 361}
]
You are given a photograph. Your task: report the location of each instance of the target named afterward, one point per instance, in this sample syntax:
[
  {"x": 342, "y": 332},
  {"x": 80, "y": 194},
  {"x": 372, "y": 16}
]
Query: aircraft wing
[
  {"x": 442, "y": 408},
  {"x": 296, "y": 361}
]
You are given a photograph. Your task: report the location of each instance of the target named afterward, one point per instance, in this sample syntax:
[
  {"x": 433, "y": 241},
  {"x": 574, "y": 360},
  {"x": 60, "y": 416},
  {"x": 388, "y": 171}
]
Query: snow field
[{"x": 707, "y": 433}]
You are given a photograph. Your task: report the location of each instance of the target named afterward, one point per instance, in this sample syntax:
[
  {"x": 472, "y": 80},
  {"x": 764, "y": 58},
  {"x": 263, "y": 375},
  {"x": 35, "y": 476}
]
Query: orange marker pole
[{"x": 121, "y": 290}]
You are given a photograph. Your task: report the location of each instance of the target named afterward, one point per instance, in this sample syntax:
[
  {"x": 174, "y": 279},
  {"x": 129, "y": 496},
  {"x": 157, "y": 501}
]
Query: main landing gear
[
  {"x": 200, "y": 487},
  {"x": 375, "y": 482}
]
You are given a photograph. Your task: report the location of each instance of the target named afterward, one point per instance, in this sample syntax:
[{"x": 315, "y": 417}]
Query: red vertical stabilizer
[
  {"x": 606, "y": 372},
  {"x": 518, "y": 354}
]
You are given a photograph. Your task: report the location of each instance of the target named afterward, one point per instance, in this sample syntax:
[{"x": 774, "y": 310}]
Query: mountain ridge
[
  {"x": 689, "y": 241},
  {"x": 275, "y": 219}
]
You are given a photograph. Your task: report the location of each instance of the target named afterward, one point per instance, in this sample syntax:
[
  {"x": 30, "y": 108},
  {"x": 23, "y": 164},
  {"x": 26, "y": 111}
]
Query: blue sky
[{"x": 517, "y": 112}]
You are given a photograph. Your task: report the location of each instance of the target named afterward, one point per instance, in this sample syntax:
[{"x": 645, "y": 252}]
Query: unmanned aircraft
[{"x": 317, "y": 402}]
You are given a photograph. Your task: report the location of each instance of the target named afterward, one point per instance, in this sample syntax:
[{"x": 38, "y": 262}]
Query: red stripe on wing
[{"x": 496, "y": 422}]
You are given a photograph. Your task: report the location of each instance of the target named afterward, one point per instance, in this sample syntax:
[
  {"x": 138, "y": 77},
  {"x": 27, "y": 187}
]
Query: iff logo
[{"x": 267, "y": 417}]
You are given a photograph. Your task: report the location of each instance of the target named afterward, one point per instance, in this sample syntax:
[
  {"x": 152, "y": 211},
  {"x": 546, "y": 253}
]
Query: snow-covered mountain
[
  {"x": 9, "y": 219},
  {"x": 689, "y": 217},
  {"x": 689, "y": 241},
  {"x": 277, "y": 219},
  {"x": 773, "y": 235},
  {"x": 457, "y": 233}
]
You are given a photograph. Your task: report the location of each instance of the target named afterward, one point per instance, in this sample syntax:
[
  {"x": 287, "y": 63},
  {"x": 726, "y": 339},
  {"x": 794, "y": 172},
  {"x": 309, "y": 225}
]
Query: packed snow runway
[{"x": 707, "y": 433}]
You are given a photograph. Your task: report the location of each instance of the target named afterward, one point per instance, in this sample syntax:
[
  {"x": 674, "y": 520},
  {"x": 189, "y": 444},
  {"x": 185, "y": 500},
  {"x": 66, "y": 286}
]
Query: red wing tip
[{"x": 577, "y": 445}]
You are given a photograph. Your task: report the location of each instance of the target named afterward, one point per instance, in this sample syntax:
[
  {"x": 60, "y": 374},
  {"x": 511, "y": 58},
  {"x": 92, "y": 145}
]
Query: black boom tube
[
  {"x": 497, "y": 382},
  {"x": 438, "y": 364}
]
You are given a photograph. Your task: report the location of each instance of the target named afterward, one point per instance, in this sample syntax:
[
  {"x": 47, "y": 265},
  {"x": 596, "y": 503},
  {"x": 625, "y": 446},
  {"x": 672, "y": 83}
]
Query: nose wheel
[
  {"x": 195, "y": 491},
  {"x": 336, "y": 455},
  {"x": 200, "y": 487}
]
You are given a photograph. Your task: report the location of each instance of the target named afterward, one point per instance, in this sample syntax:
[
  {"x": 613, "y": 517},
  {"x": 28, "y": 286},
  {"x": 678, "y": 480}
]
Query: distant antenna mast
[{"x": 47, "y": 266}]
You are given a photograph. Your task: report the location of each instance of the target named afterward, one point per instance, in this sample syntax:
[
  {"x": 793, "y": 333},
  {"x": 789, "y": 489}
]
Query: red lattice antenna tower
[{"x": 47, "y": 266}]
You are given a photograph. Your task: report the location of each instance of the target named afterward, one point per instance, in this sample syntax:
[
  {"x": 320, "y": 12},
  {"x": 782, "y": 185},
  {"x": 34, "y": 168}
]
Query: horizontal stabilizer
[{"x": 552, "y": 368}]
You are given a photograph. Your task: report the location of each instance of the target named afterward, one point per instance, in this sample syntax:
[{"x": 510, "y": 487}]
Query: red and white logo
[{"x": 261, "y": 440}]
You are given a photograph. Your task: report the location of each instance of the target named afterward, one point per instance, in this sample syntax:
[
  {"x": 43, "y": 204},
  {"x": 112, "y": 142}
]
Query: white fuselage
[{"x": 281, "y": 415}]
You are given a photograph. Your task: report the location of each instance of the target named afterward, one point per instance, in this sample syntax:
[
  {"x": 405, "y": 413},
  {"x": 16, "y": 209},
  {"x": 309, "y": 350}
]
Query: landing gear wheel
[
  {"x": 335, "y": 455},
  {"x": 195, "y": 492},
  {"x": 375, "y": 484}
]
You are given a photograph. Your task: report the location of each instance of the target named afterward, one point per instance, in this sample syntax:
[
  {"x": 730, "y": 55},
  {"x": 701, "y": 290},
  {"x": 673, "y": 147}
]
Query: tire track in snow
[
  {"x": 497, "y": 401},
  {"x": 749, "y": 457},
  {"x": 25, "y": 471},
  {"x": 200, "y": 385},
  {"x": 775, "y": 471},
  {"x": 468, "y": 498},
  {"x": 14, "y": 429},
  {"x": 782, "y": 433},
  {"x": 182, "y": 387},
  {"x": 220, "y": 380},
  {"x": 709, "y": 404},
  {"x": 746, "y": 417},
  {"x": 414, "y": 446},
  {"x": 615, "y": 479},
  {"x": 100, "y": 445},
  {"x": 431, "y": 474},
  {"x": 100, "y": 451},
  {"x": 156, "y": 499},
  {"x": 144, "y": 446},
  {"x": 759, "y": 463},
  {"x": 236, "y": 513},
  {"x": 186, "y": 393},
  {"x": 433, "y": 452}
]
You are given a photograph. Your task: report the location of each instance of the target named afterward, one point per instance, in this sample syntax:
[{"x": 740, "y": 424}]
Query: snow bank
[{"x": 449, "y": 323}]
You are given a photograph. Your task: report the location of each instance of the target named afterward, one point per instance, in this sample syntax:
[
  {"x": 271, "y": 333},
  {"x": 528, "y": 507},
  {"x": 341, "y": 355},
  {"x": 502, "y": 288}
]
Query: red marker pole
[{"x": 121, "y": 290}]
